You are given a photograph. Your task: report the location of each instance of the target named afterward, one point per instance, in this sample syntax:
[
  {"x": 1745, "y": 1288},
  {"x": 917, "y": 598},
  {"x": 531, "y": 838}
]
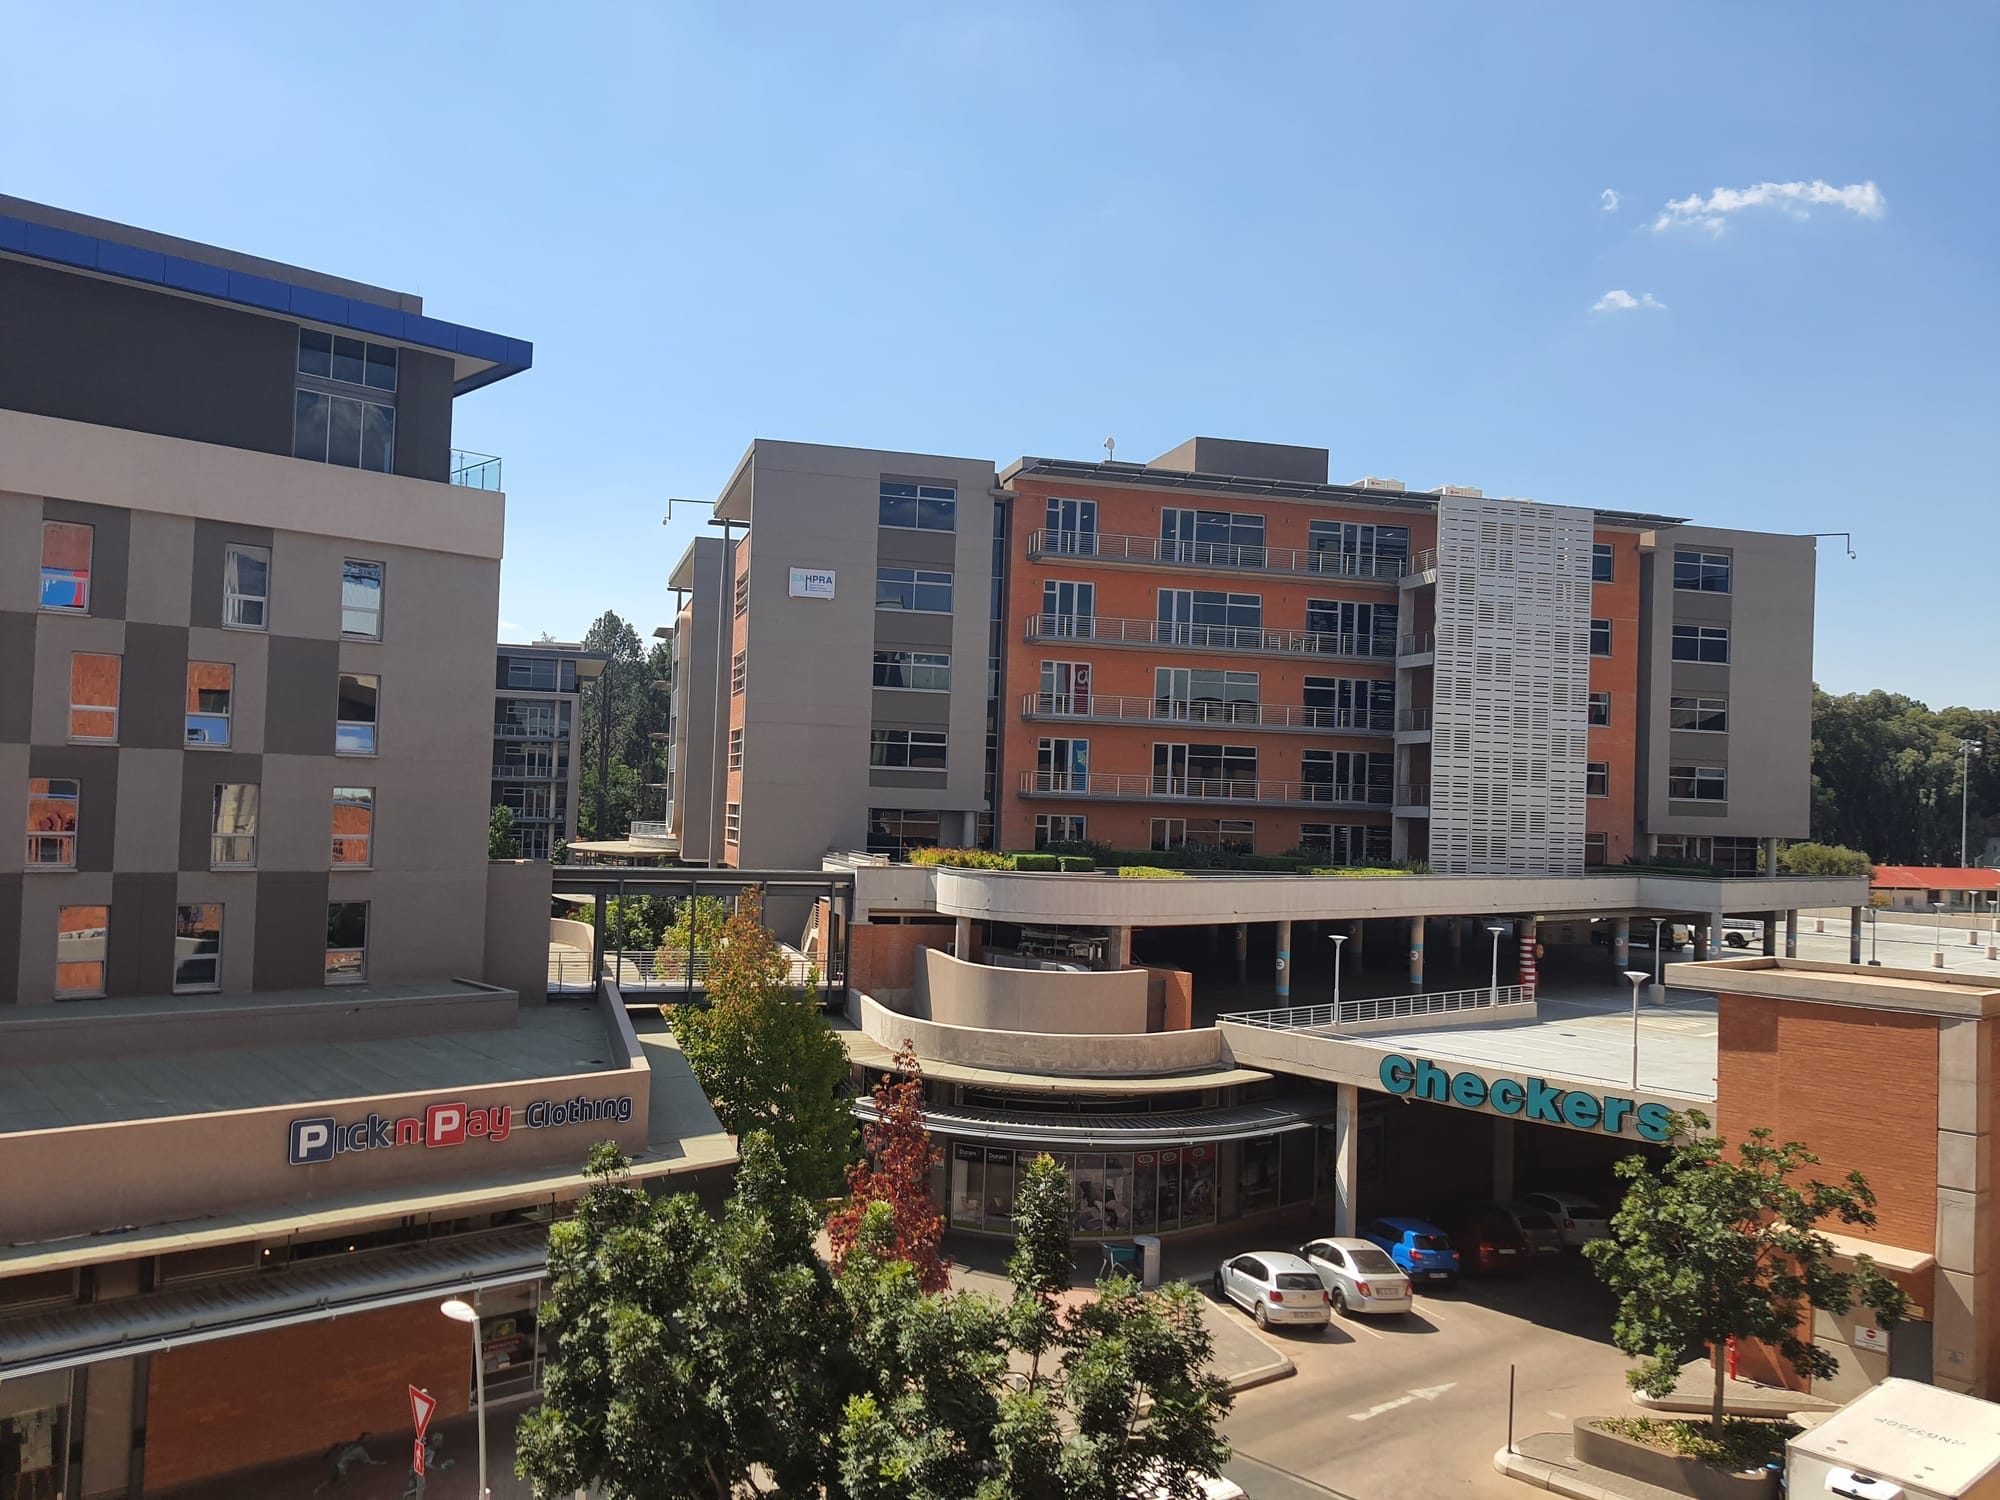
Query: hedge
[{"x": 1151, "y": 872}]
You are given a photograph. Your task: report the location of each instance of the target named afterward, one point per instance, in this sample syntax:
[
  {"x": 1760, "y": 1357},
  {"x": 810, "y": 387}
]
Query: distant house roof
[{"x": 1934, "y": 878}]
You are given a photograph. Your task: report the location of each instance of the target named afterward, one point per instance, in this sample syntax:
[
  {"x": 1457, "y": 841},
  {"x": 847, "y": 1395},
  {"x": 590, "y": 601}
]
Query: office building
[{"x": 535, "y": 725}]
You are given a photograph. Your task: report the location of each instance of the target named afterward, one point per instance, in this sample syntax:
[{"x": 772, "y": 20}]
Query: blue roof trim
[{"x": 130, "y": 263}]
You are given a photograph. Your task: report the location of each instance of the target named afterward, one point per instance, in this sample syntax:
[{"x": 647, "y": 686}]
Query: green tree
[
  {"x": 766, "y": 1057},
  {"x": 1888, "y": 774},
  {"x": 895, "y": 1170},
  {"x": 1823, "y": 859},
  {"x": 637, "y": 684},
  {"x": 685, "y": 1351},
  {"x": 706, "y": 915},
  {"x": 500, "y": 840},
  {"x": 1711, "y": 1248},
  {"x": 1039, "y": 1266}
]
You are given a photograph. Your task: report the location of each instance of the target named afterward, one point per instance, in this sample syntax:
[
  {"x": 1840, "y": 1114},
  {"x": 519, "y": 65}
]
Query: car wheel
[
  {"x": 1262, "y": 1314},
  {"x": 1340, "y": 1301},
  {"x": 1220, "y": 1295}
]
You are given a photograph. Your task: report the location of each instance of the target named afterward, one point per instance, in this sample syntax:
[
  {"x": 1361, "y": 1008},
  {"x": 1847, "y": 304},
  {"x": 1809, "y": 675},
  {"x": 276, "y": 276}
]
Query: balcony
[
  {"x": 1416, "y": 650},
  {"x": 1423, "y": 569},
  {"x": 1171, "y": 635},
  {"x": 1413, "y": 799},
  {"x": 549, "y": 731},
  {"x": 1413, "y": 726},
  {"x": 516, "y": 772},
  {"x": 1100, "y": 708},
  {"x": 1112, "y": 787},
  {"x": 1213, "y": 557},
  {"x": 475, "y": 471}
]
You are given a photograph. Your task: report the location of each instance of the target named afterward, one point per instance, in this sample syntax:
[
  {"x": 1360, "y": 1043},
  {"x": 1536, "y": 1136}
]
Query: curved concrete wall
[
  {"x": 991, "y": 998},
  {"x": 1059, "y": 1054},
  {"x": 576, "y": 934}
]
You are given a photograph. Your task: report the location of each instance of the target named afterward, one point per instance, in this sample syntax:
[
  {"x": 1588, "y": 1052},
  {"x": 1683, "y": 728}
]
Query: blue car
[{"x": 1421, "y": 1249}]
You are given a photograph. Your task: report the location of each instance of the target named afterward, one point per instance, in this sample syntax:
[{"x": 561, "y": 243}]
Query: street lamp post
[
  {"x": 461, "y": 1311},
  {"x": 1966, "y": 750},
  {"x": 1638, "y": 977},
  {"x": 1493, "y": 983},
  {"x": 1993, "y": 926},
  {"x": 1874, "y": 939},
  {"x": 1337, "y": 939},
  {"x": 1657, "y": 921},
  {"x": 1937, "y": 945}
]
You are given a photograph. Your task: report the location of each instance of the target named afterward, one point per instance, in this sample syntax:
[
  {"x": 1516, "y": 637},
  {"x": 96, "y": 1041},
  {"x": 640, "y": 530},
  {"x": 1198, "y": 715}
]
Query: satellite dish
[{"x": 1110, "y": 449}]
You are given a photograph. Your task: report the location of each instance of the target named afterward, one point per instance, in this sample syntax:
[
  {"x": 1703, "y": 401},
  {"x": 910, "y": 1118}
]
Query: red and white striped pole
[{"x": 1528, "y": 958}]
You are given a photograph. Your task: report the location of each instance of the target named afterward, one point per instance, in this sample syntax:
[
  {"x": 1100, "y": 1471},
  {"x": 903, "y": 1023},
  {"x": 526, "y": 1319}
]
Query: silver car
[
  {"x": 1358, "y": 1276},
  {"x": 1579, "y": 1219},
  {"x": 1274, "y": 1286}
]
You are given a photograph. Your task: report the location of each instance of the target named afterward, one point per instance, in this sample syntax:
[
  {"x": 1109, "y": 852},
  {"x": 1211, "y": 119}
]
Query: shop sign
[
  {"x": 812, "y": 583},
  {"x": 1529, "y": 1099},
  {"x": 320, "y": 1138}
]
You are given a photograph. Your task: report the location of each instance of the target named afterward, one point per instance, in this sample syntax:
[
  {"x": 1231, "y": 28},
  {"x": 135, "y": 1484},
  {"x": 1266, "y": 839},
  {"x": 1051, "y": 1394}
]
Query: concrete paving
[{"x": 1545, "y": 1461}]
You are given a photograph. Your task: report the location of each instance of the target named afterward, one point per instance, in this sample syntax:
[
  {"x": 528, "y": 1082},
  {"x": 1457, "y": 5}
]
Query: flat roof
[
  {"x": 864, "y": 1050},
  {"x": 1913, "y": 1433},
  {"x": 1915, "y": 991},
  {"x": 122, "y": 252}
]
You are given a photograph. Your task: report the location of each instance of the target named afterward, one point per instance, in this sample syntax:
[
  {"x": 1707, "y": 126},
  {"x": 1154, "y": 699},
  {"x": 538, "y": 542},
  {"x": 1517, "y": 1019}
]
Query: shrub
[
  {"x": 1363, "y": 872},
  {"x": 1077, "y": 863},
  {"x": 1746, "y": 1442},
  {"x": 1151, "y": 872},
  {"x": 1091, "y": 849},
  {"x": 963, "y": 859},
  {"x": 1824, "y": 859},
  {"x": 1044, "y": 863}
]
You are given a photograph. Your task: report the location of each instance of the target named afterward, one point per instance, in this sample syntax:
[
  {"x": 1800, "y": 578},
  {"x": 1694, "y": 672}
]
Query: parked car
[
  {"x": 1579, "y": 1219},
  {"x": 1488, "y": 1242},
  {"x": 1539, "y": 1229},
  {"x": 1359, "y": 1276},
  {"x": 1422, "y": 1249},
  {"x": 1274, "y": 1286}
]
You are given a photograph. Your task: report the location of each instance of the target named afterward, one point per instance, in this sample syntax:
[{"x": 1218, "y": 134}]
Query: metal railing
[
  {"x": 1416, "y": 644},
  {"x": 1426, "y": 561},
  {"x": 1413, "y": 794},
  {"x": 1109, "y": 784},
  {"x": 644, "y": 969},
  {"x": 506, "y": 772},
  {"x": 549, "y": 731},
  {"x": 476, "y": 471},
  {"x": 1382, "y": 1008},
  {"x": 1305, "y": 562},
  {"x": 659, "y": 831},
  {"x": 1172, "y": 710},
  {"x": 1413, "y": 718},
  {"x": 1170, "y": 633}
]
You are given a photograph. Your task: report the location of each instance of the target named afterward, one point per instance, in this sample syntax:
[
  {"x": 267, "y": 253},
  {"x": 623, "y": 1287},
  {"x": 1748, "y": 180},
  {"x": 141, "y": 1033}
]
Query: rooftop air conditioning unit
[
  {"x": 1372, "y": 483},
  {"x": 1463, "y": 491}
]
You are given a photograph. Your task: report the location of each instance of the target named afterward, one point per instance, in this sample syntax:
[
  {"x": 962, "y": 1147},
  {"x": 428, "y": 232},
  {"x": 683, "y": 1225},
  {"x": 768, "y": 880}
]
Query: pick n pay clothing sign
[
  {"x": 320, "y": 1138},
  {"x": 1531, "y": 1099}
]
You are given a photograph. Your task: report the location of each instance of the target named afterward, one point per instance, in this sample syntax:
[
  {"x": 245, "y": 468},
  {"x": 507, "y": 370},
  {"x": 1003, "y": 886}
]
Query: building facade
[{"x": 535, "y": 725}]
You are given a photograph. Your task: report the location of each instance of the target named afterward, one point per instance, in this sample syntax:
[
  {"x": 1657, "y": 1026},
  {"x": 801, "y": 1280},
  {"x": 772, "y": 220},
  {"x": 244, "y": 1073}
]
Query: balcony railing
[
  {"x": 1422, "y": 642},
  {"x": 1426, "y": 561},
  {"x": 1108, "y": 708},
  {"x": 653, "y": 833},
  {"x": 1170, "y": 633},
  {"x": 476, "y": 471},
  {"x": 640, "y": 969},
  {"x": 1413, "y": 794},
  {"x": 507, "y": 771},
  {"x": 1382, "y": 1008},
  {"x": 1306, "y": 563},
  {"x": 549, "y": 731},
  {"x": 1413, "y": 719},
  {"x": 1112, "y": 786}
]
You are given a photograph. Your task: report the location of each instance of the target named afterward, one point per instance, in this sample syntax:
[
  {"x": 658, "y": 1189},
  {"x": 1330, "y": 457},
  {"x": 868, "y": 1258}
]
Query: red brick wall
[
  {"x": 1617, "y": 743},
  {"x": 236, "y": 1403},
  {"x": 884, "y": 957},
  {"x": 1178, "y": 985}
]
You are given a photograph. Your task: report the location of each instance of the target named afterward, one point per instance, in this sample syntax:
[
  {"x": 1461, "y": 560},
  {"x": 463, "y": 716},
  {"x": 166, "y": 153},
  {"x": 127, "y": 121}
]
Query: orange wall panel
[{"x": 1617, "y": 744}]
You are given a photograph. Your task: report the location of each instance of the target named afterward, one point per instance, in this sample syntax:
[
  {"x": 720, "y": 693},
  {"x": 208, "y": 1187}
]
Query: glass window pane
[
  {"x": 349, "y": 357},
  {"x": 309, "y": 425},
  {"x": 81, "y": 935},
  {"x": 378, "y": 438},
  {"x": 353, "y": 824},
  {"x": 382, "y": 366},
  {"x": 315, "y": 352},
  {"x": 357, "y": 698},
  {"x": 66, "y": 565},
  {"x": 343, "y": 443},
  {"x": 198, "y": 947},
  {"x": 361, "y": 599}
]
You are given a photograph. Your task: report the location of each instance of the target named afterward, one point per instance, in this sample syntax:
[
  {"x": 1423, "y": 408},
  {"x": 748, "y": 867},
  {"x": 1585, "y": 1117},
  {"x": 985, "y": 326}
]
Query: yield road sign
[{"x": 422, "y": 1404}]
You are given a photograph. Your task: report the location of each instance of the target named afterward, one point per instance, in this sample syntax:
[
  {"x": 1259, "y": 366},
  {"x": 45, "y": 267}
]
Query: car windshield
[
  {"x": 1430, "y": 1242},
  {"x": 1372, "y": 1262},
  {"x": 1294, "y": 1281},
  {"x": 1536, "y": 1222}
]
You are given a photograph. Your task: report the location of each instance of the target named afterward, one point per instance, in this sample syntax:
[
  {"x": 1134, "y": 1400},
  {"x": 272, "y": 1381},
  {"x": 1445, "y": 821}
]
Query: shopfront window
[
  {"x": 510, "y": 1344},
  {"x": 34, "y": 1435}
]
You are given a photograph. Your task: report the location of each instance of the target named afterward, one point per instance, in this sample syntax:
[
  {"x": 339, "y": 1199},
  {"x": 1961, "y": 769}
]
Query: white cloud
[
  {"x": 1620, "y": 300},
  {"x": 1609, "y": 198},
  {"x": 1793, "y": 198}
]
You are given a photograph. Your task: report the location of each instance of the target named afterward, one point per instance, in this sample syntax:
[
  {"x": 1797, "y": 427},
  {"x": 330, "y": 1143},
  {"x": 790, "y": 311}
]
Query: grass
[{"x": 1747, "y": 1442}]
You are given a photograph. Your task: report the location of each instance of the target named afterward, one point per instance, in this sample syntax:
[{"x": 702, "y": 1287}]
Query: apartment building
[
  {"x": 535, "y": 725},
  {"x": 251, "y": 944}
]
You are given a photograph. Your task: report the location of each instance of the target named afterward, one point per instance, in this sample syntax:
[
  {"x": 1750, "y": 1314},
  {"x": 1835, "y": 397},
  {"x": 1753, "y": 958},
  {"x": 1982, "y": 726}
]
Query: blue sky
[{"x": 999, "y": 230}]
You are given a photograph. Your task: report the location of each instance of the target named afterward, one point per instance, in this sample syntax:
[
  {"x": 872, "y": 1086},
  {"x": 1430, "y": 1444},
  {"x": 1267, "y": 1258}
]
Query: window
[
  {"x": 1701, "y": 643},
  {"x": 742, "y": 591},
  {"x": 1072, "y": 527},
  {"x": 1195, "y": 612},
  {"x": 895, "y": 831},
  {"x": 1204, "y": 770},
  {"x": 732, "y": 823},
  {"x": 1600, "y": 710},
  {"x": 353, "y": 827},
  {"x": 736, "y": 748},
  {"x": 1701, "y": 572},
  {"x": 93, "y": 698},
  {"x": 1698, "y": 783},
  {"x": 335, "y": 419},
  {"x": 1597, "y": 778},
  {"x": 1347, "y": 775},
  {"x": 81, "y": 936},
  {"x": 538, "y": 675},
  {"x": 66, "y": 565},
  {"x": 926, "y": 589},
  {"x": 354, "y": 731},
  {"x": 1205, "y": 695},
  {"x": 361, "y": 599},
  {"x": 1346, "y": 843},
  {"x": 1343, "y": 628},
  {"x": 209, "y": 686},
  {"x": 1596, "y": 849},
  {"x": 232, "y": 843},
  {"x": 919, "y": 507},
  {"x": 52, "y": 815},
  {"x": 1601, "y": 562},
  {"x": 1234, "y": 834},
  {"x": 1058, "y": 828},
  {"x": 1062, "y": 764},
  {"x": 197, "y": 948},
  {"x": 1707, "y": 715},
  {"x": 246, "y": 587},
  {"x": 739, "y": 670},
  {"x": 917, "y": 671},
  {"x": 346, "y": 942},
  {"x": 1359, "y": 549},
  {"x": 1349, "y": 702},
  {"x": 1212, "y": 536},
  {"x": 1600, "y": 637},
  {"x": 907, "y": 749}
]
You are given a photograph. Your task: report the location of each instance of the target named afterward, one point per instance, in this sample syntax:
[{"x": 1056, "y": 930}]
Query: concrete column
[
  {"x": 1621, "y": 943},
  {"x": 1715, "y": 935},
  {"x": 1346, "y": 1131},
  {"x": 1770, "y": 934},
  {"x": 1457, "y": 940},
  {"x": 1854, "y": 934},
  {"x": 1358, "y": 931},
  {"x": 1791, "y": 934},
  {"x": 1284, "y": 964},
  {"x": 1529, "y": 930},
  {"x": 961, "y": 939},
  {"x": 1770, "y": 857},
  {"x": 1119, "y": 954},
  {"x": 1242, "y": 951},
  {"x": 1416, "y": 953},
  {"x": 1503, "y": 1158}
]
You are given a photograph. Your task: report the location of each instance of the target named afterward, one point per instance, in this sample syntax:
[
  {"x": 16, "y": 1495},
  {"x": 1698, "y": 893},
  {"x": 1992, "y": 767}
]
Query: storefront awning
[
  {"x": 1117, "y": 1132},
  {"x": 311, "y": 1293}
]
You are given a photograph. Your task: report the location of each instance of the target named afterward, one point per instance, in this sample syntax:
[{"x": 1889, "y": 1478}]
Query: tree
[
  {"x": 1824, "y": 859},
  {"x": 639, "y": 710},
  {"x": 500, "y": 840},
  {"x": 895, "y": 1170},
  {"x": 1711, "y": 1249},
  {"x": 706, "y": 914},
  {"x": 685, "y": 1351},
  {"x": 1888, "y": 774},
  {"x": 765, "y": 1056},
  {"x": 1039, "y": 1266}
]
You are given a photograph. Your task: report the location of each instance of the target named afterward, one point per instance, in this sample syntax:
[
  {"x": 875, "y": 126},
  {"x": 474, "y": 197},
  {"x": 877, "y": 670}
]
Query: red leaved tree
[{"x": 896, "y": 1170}]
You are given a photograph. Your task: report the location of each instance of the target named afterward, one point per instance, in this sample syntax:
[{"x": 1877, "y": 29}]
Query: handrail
[
  {"x": 1199, "y": 789},
  {"x": 1381, "y": 1008},
  {"x": 1426, "y": 561},
  {"x": 552, "y": 731},
  {"x": 503, "y": 772},
  {"x": 1173, "y": 710},
  {"x": 1308, "y": 562},
  {"x": 475, "y": 471},
  {"x": 1416, "y": 644},
  {"x": 1413, "y": 794},
  {"x": 1112, "y": 631},
  {"x": 1413, "y": 718}
]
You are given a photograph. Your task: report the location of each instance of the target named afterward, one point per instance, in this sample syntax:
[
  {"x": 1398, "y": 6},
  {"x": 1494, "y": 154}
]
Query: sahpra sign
[
  {"x": 1525, "y": 1099},
  {"x": 321, "y": 1138}
]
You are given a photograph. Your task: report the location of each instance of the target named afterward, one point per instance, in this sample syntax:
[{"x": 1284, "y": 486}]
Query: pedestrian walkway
[{"x": 1545, "y": 1461}]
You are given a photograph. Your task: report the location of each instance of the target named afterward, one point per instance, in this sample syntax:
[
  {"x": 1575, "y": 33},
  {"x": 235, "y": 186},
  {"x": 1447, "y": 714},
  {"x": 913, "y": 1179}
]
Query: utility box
[
  {"x": 1149, "y": 1258},
  {"x": 1902, "y": 1440}
]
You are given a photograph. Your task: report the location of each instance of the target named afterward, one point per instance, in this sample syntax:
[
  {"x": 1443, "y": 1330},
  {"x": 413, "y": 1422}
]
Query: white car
[
  {"x": 1274, "y": 1286},
  {"x": 1358, "y": 1276},
  {"x": 1579, "y": 1219}
]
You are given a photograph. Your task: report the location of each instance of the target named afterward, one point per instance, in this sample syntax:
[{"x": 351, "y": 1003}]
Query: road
[{"x": 1383, "y": 1409}]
